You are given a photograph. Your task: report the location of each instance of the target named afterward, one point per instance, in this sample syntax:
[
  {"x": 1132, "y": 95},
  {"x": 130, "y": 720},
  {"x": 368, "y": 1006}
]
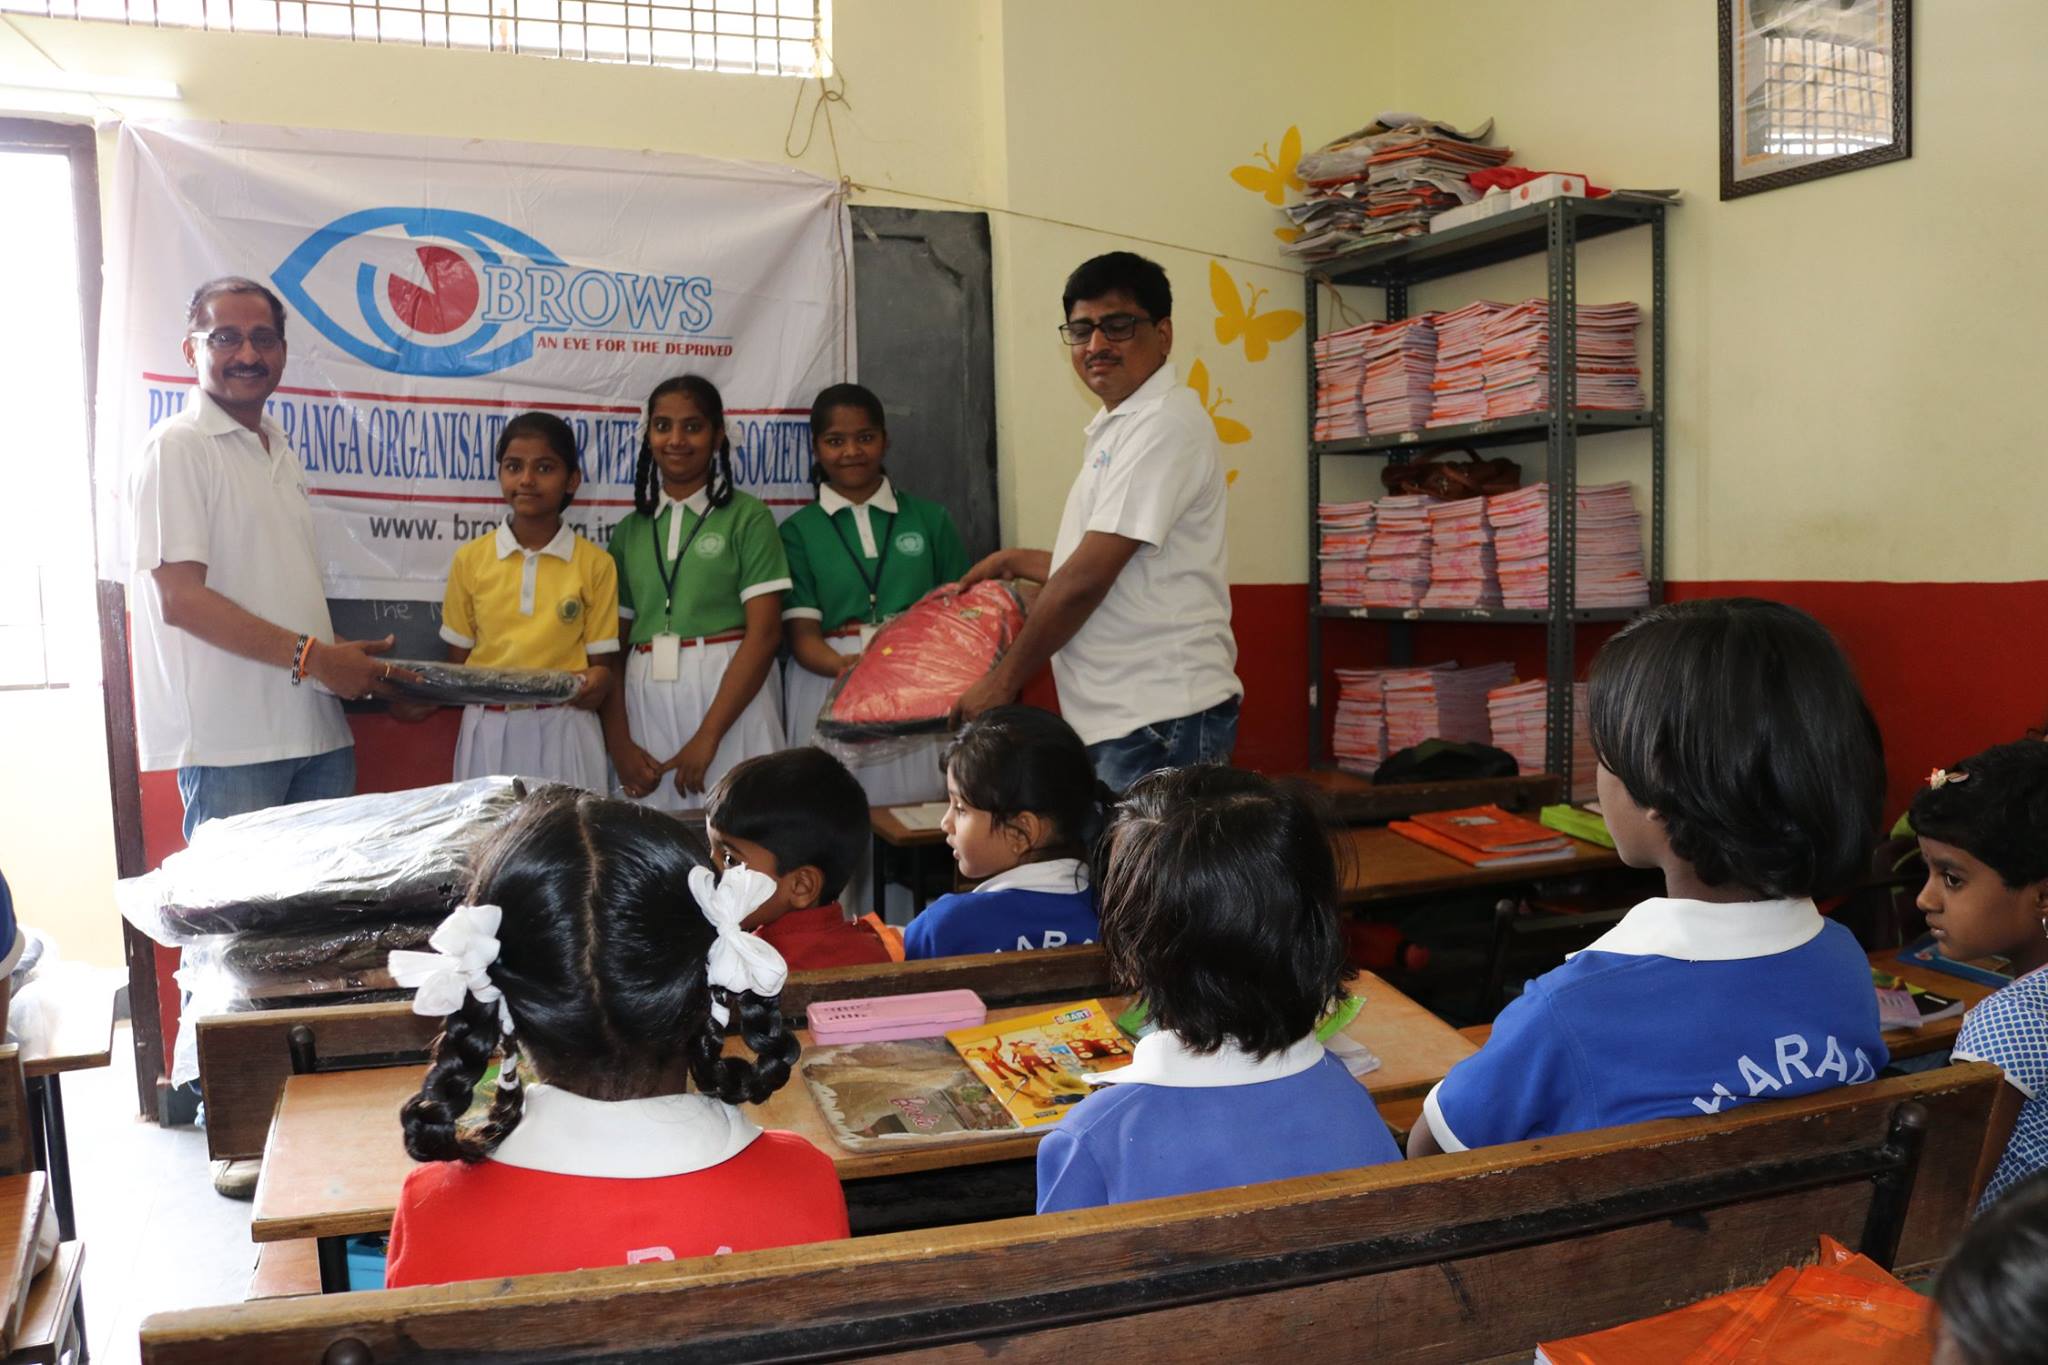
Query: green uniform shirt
[
  {"x": 733, "y": 556},
  {"x": 831, "y": 573}
]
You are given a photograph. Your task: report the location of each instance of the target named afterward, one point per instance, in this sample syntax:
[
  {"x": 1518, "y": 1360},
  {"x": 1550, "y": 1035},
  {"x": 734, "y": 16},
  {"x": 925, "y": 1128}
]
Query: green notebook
[
  {"x": 1580, "y": 824},
  {"x": 1137, "y": 1020}
]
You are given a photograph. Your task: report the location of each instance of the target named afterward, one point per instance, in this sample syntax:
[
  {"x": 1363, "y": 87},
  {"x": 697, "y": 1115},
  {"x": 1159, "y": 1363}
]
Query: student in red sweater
[
  {"x": 615, "y": 1136},
  {"x": 800, "y": 817}
]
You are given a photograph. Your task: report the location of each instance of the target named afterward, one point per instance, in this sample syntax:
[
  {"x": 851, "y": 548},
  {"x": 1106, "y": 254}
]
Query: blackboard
[{"x": 924, "y": 325}]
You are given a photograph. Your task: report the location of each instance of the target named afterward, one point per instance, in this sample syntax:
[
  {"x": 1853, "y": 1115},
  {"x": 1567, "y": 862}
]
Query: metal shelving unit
[{"x": 1554, "y": 230}]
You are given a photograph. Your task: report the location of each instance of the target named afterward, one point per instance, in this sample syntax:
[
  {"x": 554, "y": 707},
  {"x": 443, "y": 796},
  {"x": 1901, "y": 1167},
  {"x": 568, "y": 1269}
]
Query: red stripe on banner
[
  {"x": 474, "y": 402},
  {"x": 374, "y": 496}
]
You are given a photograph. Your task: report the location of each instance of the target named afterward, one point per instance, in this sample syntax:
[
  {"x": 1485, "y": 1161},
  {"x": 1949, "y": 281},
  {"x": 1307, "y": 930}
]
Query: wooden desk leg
[
  {"x": 333, "y": 1253},
  {"x": 53, "y": 1152},
  {"x": 877, "y": 885}
]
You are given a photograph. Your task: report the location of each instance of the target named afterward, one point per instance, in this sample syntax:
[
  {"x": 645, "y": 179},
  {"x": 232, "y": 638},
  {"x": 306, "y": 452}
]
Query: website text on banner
[{"x": 436, "y": 288}]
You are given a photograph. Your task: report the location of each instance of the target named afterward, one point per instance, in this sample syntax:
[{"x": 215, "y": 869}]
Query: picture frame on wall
[{"x": 1812, "y": 88}]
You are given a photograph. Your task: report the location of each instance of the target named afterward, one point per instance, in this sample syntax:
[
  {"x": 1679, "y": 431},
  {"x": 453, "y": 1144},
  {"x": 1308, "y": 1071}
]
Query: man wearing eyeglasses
[
  {"x": 237, "y": 674},
  {"x": 1135, "y": 614}
]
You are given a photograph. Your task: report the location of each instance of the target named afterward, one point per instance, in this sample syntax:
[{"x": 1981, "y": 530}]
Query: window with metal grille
[
  {"x": 1827, "y": 82},
  {"x": 764, "y": 37}
]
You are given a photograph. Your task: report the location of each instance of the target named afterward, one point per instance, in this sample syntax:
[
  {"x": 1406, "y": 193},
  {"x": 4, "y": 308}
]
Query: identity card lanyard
[
  {"x": 667, "y": 663},
  {"x": 874, "y": 581}
]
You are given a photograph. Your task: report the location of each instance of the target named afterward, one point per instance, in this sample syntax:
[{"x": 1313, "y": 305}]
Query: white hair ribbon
[
  {"x": 738, "y": 961},
  {"x": 465, "y": 945}
]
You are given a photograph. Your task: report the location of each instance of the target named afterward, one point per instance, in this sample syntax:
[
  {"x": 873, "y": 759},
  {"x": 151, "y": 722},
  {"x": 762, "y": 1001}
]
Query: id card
[{"x": 667, "y": 663}]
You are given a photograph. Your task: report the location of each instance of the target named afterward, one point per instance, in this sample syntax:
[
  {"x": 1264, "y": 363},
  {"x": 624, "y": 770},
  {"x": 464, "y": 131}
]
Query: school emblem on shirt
[
  {"x": 910, "y": 543},
  {"x": 710, "y": 545},
  {"x": 569, "y": 608}
]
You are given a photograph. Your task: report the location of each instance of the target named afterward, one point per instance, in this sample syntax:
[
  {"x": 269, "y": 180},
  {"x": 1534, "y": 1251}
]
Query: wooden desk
[
  {"x": 82, "y": 1001},
  {"x": 1940, "y": 1035},
  {"x": 1376, "y": 864},
  {"x": 916, "y": 844},
  {"x": 21, "y": 1218},
  {"x": 335, "y": 1160}
]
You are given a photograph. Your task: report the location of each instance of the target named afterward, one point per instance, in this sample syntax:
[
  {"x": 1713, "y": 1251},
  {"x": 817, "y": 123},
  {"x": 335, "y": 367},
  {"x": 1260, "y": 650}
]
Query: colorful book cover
[
  {"x": 1925, "y": 951},
  {"x": 1901, "y": 1004},
  {"x": 1038, "y": 1065},
  {"x": 902, "y": 1093},
  {"x": 1490, "y": 829},
  {"x": 1578, "y": 822},
  {"x": 1465, "y": 853}
]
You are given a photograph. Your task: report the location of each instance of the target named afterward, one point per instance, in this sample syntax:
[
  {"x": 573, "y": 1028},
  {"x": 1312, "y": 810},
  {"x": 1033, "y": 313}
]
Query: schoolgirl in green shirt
[
  {"x": 864, "y": 551},
  {"x": 701, "y": 578}
]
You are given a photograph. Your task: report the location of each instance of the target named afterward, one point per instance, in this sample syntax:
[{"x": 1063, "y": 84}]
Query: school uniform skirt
[
  {"x": 663, "y": 716},
  {"x": 900, "y": 778},
  {"x": 538, "y": 743}
]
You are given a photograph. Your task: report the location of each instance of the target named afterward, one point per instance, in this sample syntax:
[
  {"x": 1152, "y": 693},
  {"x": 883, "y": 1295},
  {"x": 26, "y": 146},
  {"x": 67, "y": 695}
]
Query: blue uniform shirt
[
  {"x": 2009, "y": 1028},
  {"x": 1176, "y": 1122},
  {"x": 1684, "y": 1007},
  {"x": 1033, "y": 905}
]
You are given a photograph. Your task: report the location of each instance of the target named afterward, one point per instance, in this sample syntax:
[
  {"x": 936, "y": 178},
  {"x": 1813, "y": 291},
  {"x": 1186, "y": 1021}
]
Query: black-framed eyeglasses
[
  {"x": 226, "y": 340},
  {"x": 1115, "y": 327}
]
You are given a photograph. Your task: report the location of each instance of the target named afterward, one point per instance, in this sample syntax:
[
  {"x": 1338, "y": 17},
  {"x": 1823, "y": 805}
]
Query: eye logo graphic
[{"x": 403, "y": 289}]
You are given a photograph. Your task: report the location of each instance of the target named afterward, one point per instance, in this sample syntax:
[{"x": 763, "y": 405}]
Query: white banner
[{"x": 435, "y": 288}]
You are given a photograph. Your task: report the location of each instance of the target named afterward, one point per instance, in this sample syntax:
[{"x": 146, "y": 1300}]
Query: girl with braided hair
[{"x": 603, "y": 959}]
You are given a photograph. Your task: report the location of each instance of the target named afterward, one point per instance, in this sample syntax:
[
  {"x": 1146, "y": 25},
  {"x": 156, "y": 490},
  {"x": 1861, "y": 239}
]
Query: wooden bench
[
  {"x": 245, "y": 1058},
  {"x": 1445, "y": 1259}
]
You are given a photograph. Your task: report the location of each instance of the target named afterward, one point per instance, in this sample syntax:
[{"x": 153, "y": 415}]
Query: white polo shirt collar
[
  {"x": 698, "y": 502},
  {"x": 562, "y": 547},
  {"x": 562, "y": 1133},
  {"x": 1703, "y": 931},
  {"x": 882, "y": 499},
  {"x": 1063, "y": 875},
  {"x": 1144, "y": 398},
  {"x": 1163, "y": 1059},
  {"x": 211, "y": 419}
]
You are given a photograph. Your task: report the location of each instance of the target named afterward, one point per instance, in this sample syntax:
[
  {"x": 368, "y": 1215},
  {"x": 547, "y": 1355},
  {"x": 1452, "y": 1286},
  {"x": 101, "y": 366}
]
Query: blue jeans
[
  {"x": 1205, "y": 737},
  {"x": 238, "y": 788}
]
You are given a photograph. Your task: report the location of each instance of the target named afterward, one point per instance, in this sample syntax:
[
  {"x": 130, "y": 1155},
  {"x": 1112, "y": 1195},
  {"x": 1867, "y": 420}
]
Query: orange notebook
[
  {"x": 1471, "y": 856},
  {"x": 1491, "y": 830}
]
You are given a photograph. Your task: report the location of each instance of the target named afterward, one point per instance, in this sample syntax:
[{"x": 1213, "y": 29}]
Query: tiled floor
[{"x": 156, "y": 1235}]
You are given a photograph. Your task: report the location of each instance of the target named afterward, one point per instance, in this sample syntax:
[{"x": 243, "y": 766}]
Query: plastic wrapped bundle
[
  {"x": 320, "y": 961},
  {"x": 320, "y": 863},
  {"x": 462, "y": 685},
  {"x": 922, "y": 662}
]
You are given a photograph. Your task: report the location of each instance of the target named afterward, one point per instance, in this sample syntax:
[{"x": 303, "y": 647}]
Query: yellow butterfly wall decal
[
  {"x": 1238, "y": 317},
  {"x": 1277, "y": 176},
  {"x": 1288, "y": 234},
  {"x": 1229, "y": 430},
  {"x": 1229, "y": 477}
]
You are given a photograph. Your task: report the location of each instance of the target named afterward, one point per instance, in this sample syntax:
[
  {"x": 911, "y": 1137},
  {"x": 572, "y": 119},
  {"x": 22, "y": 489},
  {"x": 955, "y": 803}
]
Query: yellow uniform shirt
[{"x": 512, "y": 607}]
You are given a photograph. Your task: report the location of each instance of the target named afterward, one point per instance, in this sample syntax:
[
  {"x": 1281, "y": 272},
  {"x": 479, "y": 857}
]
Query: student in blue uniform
[
  {"x": 1737, "y": 756},
  {"x": 1023, "y": 812},
  {"x": 1219, "y": 907},
  {"x": 1983, "y": 829}
]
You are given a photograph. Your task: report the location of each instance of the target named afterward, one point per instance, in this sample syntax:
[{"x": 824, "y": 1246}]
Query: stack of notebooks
[
  {"x": 1385, "y": 182},
  {"x": 1516, "y": 356},
  {"x": 1343, "y": 538},
  {"x": 1358, "y": 738},
  {"x": 1609, "y": 551},
  {"x": 1461, "y": 568},
  {"x": 1397, "y": 565},
  {"x": 1521, "y": 727},
  {"x": 1443, "y": 702},
  {"x": 1400, "y": 363},
  {"x": 1901, "y": 1004},
  {"x": 1458, "y": 389},
  {"x": 1485, "y": 836},
  {"x": 1340, "y": 381}
]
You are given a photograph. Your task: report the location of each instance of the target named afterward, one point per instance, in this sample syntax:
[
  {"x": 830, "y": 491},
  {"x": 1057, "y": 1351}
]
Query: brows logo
[{"x": 403, "y": 289}]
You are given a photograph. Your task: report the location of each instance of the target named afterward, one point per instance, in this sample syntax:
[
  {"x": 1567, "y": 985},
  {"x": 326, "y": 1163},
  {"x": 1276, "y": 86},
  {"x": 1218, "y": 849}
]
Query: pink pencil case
[{"x": 879, "y": 1018}]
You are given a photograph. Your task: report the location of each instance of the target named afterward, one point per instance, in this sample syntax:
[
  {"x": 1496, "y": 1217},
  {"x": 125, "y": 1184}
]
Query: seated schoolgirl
[
  {"x": 1992, "y": 1297},
  {"x": 1983, "y": 829},
  {"x": 1219, "y": 908},
  {"x": 603, "y": 959},
  {"x": 1023, "y": 811},
  {"x": 533, "y": 594},
  {"x": 800, "y": 819},
  {"x": 1737, "y": 756}
]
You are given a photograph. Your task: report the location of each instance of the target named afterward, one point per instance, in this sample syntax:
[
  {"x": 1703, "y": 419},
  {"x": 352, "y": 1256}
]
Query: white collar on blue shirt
[
  {"x": 1147, "y": 395},
  {"x": 883, "y": 499},
  {"x": 1064, "y": 875},
  {"x": 1701, "y": 931},
  {"x": 563, "y": 1133},
  {"x": 1163, "y": 1059},
  {"x": 563, "y": 546}
]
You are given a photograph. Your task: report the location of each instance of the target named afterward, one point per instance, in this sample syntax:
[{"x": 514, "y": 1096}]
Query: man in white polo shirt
[
  {"x": 237, "y": 673},
  {"x": 1135, "y": 615}
]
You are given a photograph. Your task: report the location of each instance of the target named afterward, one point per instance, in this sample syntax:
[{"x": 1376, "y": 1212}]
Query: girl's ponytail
[
  {"x": 737, "y": 1080},
  {"x": 719, "y": 491},
  {"x": 431, "y": 1119}
]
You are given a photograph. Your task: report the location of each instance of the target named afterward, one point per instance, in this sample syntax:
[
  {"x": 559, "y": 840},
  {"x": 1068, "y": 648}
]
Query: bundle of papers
[
  {"x": 1400, "y": 363},
  {"x": 1458, "y": 388},
  {"x": 1516, "y": 357},
  {"x": 1461, "y": 569},
  {"x": 1397, "y": 564},
  {"x": 1442, "y": 702},
  {"x": 1358, "y": 739},
  {"x": 1521, "y": 727},
  {"x": 1344, "y": 535},
  {"x": 1340, "y": 381},
  {"x": 1610, "y": 547},
  {"x": 1385, "y": 182}
]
